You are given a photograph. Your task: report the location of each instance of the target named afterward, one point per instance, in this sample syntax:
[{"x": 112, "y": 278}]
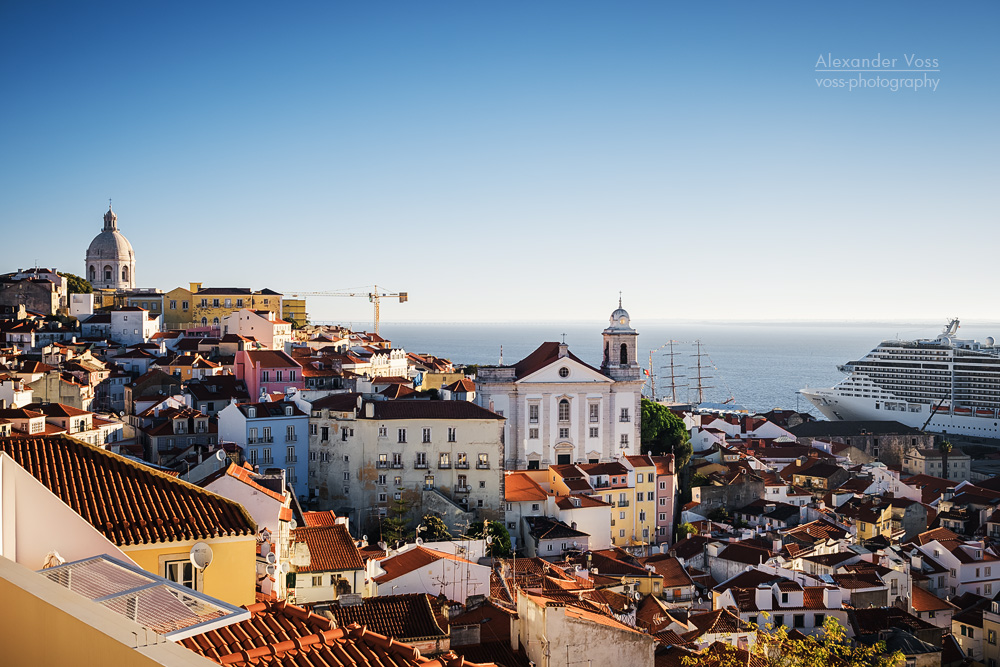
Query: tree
[
  {"x": 395, "y": 523},
  {"x": 76, "y": 284},
  {"x": 945, "y": 448},
  {"x": 435, "y": 529},
  {"x": 686, "y": 529},
  {"x": 663, "y": 432},
  {"x": 773, "y": 648},
  {"x": 499, "y": 546}
]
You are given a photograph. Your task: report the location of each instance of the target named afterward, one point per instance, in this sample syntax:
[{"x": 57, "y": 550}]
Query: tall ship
[{"x": 944, "y": 384}]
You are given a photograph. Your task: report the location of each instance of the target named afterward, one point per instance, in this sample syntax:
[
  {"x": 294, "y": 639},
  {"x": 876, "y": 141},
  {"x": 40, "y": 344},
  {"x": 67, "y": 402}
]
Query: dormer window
[
  {"x": 288, "y": 411},
  {"x": 251, "y": 412}
]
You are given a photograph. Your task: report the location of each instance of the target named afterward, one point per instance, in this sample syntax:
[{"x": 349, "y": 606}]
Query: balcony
[
  {"x": 444, "y": 465},
  {"x": 291, "y": 459},
  {"x": 252, "y": 441},
  {"x": 397, "y": 466},
  {"x": 420, "y": 465},
  {"x": 483, "y": 465},
  {"x": 462, "y": 465},
  {"x": 622, "y": 503},
  {"x": 268, "y": 439},
  {"x": 462, "y": 489},
  {"x": 382, "y": 464},
  {"x": 267, "y": 461},
  {"x": 291, "y": 438}
]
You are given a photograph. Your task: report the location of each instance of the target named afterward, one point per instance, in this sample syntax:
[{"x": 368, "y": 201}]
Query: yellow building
[
  {"x": 200, "y": 306},
  {"x": 645, "y": 498},
  {"x": 152, "y": 517},
  {"x": 294, "y": 310},
  {"x": 871, "y": 520}
]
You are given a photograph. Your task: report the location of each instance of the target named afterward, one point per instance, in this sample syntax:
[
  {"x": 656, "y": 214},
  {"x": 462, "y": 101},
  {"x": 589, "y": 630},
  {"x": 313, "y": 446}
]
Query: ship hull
[{"x": 837, "y": 407}]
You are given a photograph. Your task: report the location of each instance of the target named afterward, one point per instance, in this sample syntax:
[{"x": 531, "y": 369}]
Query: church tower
[
  {"x": 110, "y": 262},
  {"x": 620, "y": 348}
]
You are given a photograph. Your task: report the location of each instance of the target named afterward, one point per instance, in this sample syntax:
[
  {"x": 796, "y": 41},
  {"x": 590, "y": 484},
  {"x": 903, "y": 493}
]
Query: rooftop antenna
[
  {"x": 501, "y": 355},
  {"x": 619, "y": 298},
  {"x": 564, "y": 339}
]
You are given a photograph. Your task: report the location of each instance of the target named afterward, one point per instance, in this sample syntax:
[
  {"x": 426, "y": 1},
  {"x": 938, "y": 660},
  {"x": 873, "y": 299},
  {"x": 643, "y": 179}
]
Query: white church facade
[
  {"x": 110, "y": 261},
  {"x": 560, "y": 410}
]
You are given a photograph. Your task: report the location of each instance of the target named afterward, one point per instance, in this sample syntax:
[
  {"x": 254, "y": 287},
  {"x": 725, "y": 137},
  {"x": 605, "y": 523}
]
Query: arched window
[
  {"x": 93, "y": 273},
  {"x": 215, "y": 321},
  {"x": 107, "y": 273},
  {"x": 624, "y": 354},
  {"x": 125, "y": 273},
  {"x": 607, "y": 353},
  {"x": 204, "y": 321},
  {"x": 564, "y": 410}
]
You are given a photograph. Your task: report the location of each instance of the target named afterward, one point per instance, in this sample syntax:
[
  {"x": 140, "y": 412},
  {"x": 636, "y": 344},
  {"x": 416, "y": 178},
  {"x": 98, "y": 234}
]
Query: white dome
[
  {"x": 620, "y": 319},
  {"x": 110, "y": 245}
]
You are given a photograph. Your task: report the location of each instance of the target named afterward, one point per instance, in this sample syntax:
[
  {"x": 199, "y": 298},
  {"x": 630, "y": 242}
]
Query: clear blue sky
[{"x": 512, "y": 160}]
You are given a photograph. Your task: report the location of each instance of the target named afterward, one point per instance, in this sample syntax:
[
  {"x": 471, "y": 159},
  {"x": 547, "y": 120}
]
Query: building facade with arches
[
  {"x": 561, "y": 410},
  {"x": 110, "y": 261}
]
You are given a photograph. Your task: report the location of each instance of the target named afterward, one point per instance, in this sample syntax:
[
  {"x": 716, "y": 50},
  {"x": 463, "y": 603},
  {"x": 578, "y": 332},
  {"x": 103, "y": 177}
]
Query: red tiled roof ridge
[
  {"x": 130, "y": 518},
  {"x": 243, "y": 475}
]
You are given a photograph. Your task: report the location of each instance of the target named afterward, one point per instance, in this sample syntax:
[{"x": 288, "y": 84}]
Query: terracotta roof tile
[
  {"x": 316, "y": 519},
  {"x": 403, "y": 617},
  {"x": 128, "y": 502},
  {"x": 520, "y": 487},
  {"x": 410, "y": 560},
  {"x": 331, "y": 548}
]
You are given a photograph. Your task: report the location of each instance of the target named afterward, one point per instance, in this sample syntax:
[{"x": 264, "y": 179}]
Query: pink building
[
  {"x": 666, "y": 494},
  {"x": 268, "y": 371}
]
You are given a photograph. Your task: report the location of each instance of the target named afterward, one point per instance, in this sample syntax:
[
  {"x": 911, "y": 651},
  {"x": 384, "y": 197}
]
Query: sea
[{"x": 759, "y": 366}]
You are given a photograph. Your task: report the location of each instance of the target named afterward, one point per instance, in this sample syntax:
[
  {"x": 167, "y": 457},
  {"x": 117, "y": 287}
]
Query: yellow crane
[{"x": 374, "y": 296}]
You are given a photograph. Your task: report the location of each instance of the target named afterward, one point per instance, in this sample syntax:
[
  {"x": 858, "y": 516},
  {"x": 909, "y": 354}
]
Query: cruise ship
[{"x": 944, "y": 385}]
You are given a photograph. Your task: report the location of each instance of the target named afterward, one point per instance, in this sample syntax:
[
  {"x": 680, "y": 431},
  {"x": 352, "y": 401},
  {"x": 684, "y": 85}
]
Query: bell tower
[{"x": 620, "y": 362}]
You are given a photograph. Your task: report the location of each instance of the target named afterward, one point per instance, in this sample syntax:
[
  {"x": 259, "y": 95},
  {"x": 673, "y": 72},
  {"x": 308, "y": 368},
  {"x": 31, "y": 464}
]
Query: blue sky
[{"x": 509, "y": 161}]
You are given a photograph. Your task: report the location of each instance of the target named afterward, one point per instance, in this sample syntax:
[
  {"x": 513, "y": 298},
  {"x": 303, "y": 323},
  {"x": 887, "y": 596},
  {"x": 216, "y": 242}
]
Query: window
[
  {"x": 397, "y": 460},
  {"x": 290, "y": 454},
  {"x": 624, "y": 440},
  {"x": 265, "y": 376},
  {"x": 277, "y": 376},
  {"x": 313, "y": 429},
  {"x": 444, "y": 460},
  {"x": 397, "y": 480},
  {"x": 347, "y": 476},
  {"x": 215, "y": 303},
  {"x": 173, "y": 305},
  {"x": 638, "y": 497},
  {"x": 533, "y": 414},
  {"x": 534, "y": 507},
  {"x": 642, "y": 517},
  {"x": 621, "y": 533},
  {"x": 784, "y": 598},
  {"x": 461, "y": 460},
  {"x": 382, "y": 497},
  {"x": 267, "y": 455},
  {"x": 421, "y": 459},
  {"x": 266, "y": 434},
  {"x": 595, "y": 412},
  {"x": 253, "y": 457},
  {"x": 594, "y": 432},
  {"x": 820, "y": 620},
  {"x": 650, "y": 497},
  {"x": 452, "y": 434},
  {"x": 429, "y": 482},
  {"x": 482, "y": 484},
  {"x": 662, "y": 516},
  {"x": 563, "y": 433},
  {"x": 624, "y": 415},
  {"x": 252, "y": 436},
  {"x": 181, "y": 572},
  {"x": 779, "y": 620},
  {"x": 533, "y": 434},
  {"x": 324, "y": 433},
  {"x": 484, "y": 462},
  {"x": 204, "y": 303},
  {"x": 290, "y": 433},
  {"x": 621, "y": 515},
  {"x": 383, "y": 432},
  {"x": 639, "y": 479},
  {"x": 991, "y": 636},
  {"x": 799, "y": 621},
  {"x": 401, "y": 435},
  {"x": 317, "y": 580},
  {"x": 383, "y": 461},
  {"x": 312, "y": 456},
  {"x": 425, "y": 436},
  {"x": 564, "y": 410},
  {"x": 184, "y": 305}
]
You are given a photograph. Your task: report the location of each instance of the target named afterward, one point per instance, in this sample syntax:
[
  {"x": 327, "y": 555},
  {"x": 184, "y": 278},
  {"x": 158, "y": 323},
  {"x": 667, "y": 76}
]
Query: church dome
[
  {"x": 620, "y": 319},
  {"x": 110, "y": 244}
]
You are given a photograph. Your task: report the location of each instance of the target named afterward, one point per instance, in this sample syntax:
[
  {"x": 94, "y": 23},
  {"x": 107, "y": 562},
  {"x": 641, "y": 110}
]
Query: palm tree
[{"x": 945, "y": 448}]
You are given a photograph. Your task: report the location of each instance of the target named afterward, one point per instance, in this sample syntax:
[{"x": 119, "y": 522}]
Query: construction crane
[{"x": 375, "y": 296}]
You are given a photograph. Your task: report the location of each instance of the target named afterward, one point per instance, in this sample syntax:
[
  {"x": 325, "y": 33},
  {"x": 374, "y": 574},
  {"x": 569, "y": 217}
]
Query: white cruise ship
[{"x": 943, "y": 384}]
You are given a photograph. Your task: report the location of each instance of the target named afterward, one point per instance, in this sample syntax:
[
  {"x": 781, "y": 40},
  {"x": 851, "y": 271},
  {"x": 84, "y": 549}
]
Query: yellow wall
[
  {"x": 173, "y": 318},
  {"x": 294, "y": 309},
  {"x": 438, "y": 380},
  {"x": 649, "y": 506},
  {"x": 42, "y": 623},
  {"x": 883, "y": 527},
  {"x": 210, "y": 311},
  {"x": 231, "y": 577}
]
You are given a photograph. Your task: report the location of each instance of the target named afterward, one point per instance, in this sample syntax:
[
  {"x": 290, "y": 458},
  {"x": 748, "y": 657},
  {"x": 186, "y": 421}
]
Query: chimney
[{"x": 763, "y": 597}]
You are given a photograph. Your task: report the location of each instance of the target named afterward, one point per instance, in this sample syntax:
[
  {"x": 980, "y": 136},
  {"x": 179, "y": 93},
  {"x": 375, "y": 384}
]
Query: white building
[
  {"x": 128, "y": 326},
  {"x": 110, "y": 261},
  {"x": 561, "y": 410},
  {"x": 416, "y": 569}
]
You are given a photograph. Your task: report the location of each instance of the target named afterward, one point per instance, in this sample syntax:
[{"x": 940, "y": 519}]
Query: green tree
[
  {"x": 829, "y": 648},
  {"x": 686, "y": 529},
  {"x": 76, "y": 284},
  {"x": 435, "y": 529},
  {"x": 499, "y": 546},
  {"x": 945, "y": 448},
  {"x": 663, "y": 432},
  {"x": 396, "y": 521}
]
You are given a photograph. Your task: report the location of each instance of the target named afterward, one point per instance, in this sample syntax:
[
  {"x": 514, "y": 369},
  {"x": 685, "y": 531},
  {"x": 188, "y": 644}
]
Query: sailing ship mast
[{"x": 701, "y": 386}]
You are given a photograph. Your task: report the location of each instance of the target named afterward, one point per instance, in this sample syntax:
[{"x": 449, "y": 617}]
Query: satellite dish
[
  {"x": 201, "y": 555},
  {"x": 270, "y": 569},
  {"x": 221, "y": 455},
  {"x": 265, "y": 549},
  {"x": 420, "y": 541},
  {"x": 637, "y": 595},
  {"x": 383, "y": 546},
  {"x": 293, "y": 524},
  {"x": 283, "y": 567},
  {"x": 266, "y": 536},
  {"x": 364, "y": 537},
  {"x": 272, "y": 559}
]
